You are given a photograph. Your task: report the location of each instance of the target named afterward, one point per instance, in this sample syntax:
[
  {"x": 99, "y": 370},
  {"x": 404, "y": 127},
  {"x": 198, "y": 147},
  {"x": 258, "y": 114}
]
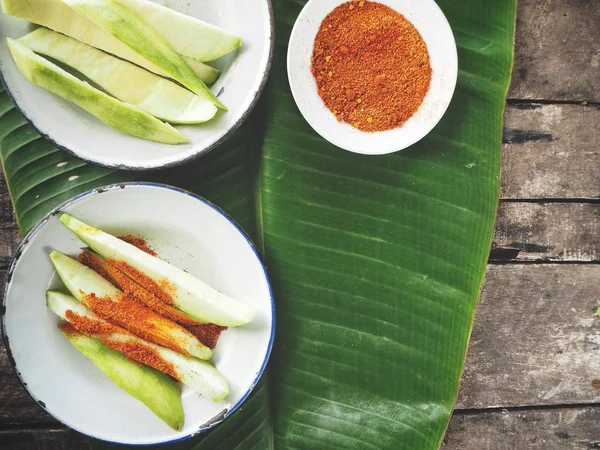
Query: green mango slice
[
  {"x": 127, "y": 82},
  {"x": 57, "y": 16},
  {"x": 131, "y": 29},
  {"x": 188, "y": 293},
  {"x": 196, "y": 373},
  {"x": 188, "y": 36},
  {"x": 153, "y": 388},
  {"x": 121, "y": 116}
]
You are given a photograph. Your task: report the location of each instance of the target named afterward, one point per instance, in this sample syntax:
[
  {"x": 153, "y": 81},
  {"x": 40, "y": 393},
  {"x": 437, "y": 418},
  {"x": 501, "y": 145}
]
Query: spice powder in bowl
[{"x": 371, "y": 66}]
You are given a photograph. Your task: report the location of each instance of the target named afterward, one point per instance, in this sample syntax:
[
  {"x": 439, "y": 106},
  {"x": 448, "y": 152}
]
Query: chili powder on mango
[
  {"x": 371, "y": 66},
  {"x": 206, "y": 333},
  {"x": 106, "y": 333}
]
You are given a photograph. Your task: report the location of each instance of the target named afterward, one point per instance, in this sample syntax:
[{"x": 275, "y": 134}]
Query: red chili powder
[
  {"x": 371, "y": 65},
  {"x": 139, "y": 242},
  {"x": 148, "y": 283},
  {"x": 208, "y": 333},
  {"x": 106, "y": 333}
]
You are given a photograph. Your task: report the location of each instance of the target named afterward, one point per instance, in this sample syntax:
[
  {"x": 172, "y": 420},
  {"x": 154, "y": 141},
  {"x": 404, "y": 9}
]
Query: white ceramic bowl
[
  {"x": 81, "y": 134},
  {"x": 431, "y": 23},
  {"x": 187, "y": 231}
]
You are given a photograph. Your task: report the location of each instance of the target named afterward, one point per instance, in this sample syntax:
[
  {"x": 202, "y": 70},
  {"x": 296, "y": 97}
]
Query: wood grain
[
  {"x": 557, "y": 50},
  {"x": 551, "y": 151},
  {"x": 9, "y": 234},
  {"x": 42, "y": 439},
  {"x": 551, "y": 429},
  {"x": 547, "y": 232},
  {"x": 536, "y": 340}
]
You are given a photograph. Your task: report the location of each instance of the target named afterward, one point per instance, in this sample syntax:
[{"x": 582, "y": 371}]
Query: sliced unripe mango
[
  {"x": 154, "y": 389},
  {"x": 186, "y": 292},
  {"x": 187, "y": 35},
  {"x": 196, "y": 373},
  {"x": 57, "y": 16},
  {"x": 126, "y": 81},
  {"x": 131, "y": 29},
  {"x": 110, "y": 303},
  {"x": 121, "y": 116}
]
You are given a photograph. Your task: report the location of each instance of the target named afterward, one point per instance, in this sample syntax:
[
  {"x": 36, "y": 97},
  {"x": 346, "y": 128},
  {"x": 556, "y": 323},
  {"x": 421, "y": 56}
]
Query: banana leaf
[{"x": 376, "y": 262}]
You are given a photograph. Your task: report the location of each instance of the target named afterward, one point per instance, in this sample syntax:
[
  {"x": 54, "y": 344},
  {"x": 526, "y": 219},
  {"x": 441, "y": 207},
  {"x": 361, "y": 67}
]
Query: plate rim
[
  {"x": 216, "y": 420},
  {"x": 178, "y": 162}
]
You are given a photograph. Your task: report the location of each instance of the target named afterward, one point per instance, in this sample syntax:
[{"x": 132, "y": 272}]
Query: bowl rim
[
  {"x": 220, "y": 417},
  {"x": 306, "y": 112},
  {"x": 204, "y": 151}
]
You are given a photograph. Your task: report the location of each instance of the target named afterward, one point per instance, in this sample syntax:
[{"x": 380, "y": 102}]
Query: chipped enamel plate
[
  {"x": 74, "y": 130},
  {"x": 187, "y": 231}
]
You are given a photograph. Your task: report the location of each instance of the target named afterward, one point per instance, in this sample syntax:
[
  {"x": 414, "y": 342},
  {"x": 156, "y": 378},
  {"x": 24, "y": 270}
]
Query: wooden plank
[
  {"x": 547, "y": 232},
  {"x": 536, "y": 340},
  {"x": 551, "y": 429},
  {"x": 551, "y": 151},
  {"x": 9, "y": 234},
  {"x": 42, "y": 439},
  {"x": 557, "y": 51}
]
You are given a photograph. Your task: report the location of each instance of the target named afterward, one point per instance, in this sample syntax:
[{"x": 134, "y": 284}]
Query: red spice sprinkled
[
  {"x": 137, "y": 318},
  {"x": 142, "y": 354},
  {"x": 67, "y": 328},
  {"x": 207, "y": 333},
  {"x": 371, "y": 65},
  {"x": 148, "y": 283},
  {"x": 139, "y": 242},
  {"x": 89, "y": 326},
  {"x": 108, "y": 333},
  {"x": 128, "y": 285}
]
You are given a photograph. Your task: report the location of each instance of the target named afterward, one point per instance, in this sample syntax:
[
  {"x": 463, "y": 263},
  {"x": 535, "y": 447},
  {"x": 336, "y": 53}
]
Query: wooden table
[{"x": 532, "y": 379}]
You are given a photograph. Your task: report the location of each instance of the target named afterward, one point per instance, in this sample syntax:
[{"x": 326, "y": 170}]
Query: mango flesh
[
  {"x": 121, "y": 116},
  {"x": 188, "y": 293},
  {"x": 127, "y": 82},
  {"x": 188, "y": 36},
  {"x": 153, "y": 388},
  {"x": 57, "y": 16},
  {"x": 131, "y": 29}
]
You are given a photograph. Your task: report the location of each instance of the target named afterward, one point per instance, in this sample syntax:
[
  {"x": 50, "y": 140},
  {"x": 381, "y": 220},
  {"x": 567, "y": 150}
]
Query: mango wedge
[
  {"x": 154, "y": 389},
  {"x": 195, "y": 373},
  {"x": 121, "y": 116},
  {"x": 130, "y": 286},
  {"x": 57, "y": 16},
  {"x": 131, "y": 29},
  {"x": 187, "y": 35},
  {"x": 108, "y": 302},
  {"x": 127, "y": 82},
  {"x": 186, "y": 292}
]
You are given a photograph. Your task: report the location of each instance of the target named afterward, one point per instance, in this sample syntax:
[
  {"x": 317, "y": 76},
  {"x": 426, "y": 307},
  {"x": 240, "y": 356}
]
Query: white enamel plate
[
  {"x": 81, "y": 134},
  {"x": 431, "y": 23},
  {"x": 187, "y": 231}
]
